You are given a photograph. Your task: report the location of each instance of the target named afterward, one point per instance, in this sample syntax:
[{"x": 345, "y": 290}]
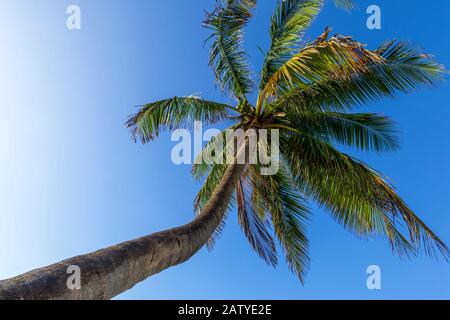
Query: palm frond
[
  {"x": 174, "y": 113},
  {"x": 404, "y": 68},
  {"x": 335, "y": 58},
  {"x": 255, "y": 228},
  {"x": 357, "y": 196},
  {"x": 278, "y": 197},
  {"x": 365, "y": 131},
  {"x": 227, "y": 57},
  {"x": 289, "y": 22}
]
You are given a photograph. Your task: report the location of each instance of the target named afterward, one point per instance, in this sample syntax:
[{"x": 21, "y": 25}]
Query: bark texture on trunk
[{"x": 111, "y": 271}]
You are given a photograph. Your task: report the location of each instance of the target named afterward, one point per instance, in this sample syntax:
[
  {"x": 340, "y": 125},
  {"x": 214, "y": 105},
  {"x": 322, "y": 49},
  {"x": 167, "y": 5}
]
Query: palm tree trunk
[{"x": 111, "y": 271}]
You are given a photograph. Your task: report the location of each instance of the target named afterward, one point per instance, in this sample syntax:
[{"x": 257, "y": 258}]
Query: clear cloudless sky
[{"x": 72, "y": 181}]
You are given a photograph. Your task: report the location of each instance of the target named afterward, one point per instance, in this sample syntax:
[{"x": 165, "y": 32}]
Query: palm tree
[{"x": 308, "y": 91}]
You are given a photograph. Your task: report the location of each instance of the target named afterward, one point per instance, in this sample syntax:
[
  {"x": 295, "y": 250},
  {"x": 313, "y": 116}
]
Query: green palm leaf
[
  {"x": 278, "y": 197},
  {"x": 255, "y": 227},
  {"x": 335, "y": 58},
  {"x": 365, "y": 131},
  {"x": 173, "y": 113},
  {"x": 290, "y": 20},
  {"x": 228, "y": 58},
  {"x": 359, "y": 198},
  {"x": 404, "y": 69}
]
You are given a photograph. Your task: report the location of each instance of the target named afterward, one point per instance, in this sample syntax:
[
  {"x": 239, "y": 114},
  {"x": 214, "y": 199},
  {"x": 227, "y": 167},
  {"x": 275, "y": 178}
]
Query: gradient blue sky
[{"x": 71, "y": 181}]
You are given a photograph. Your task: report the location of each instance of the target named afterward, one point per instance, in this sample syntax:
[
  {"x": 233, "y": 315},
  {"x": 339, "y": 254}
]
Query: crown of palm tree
[{"x": 308, "y": 91}]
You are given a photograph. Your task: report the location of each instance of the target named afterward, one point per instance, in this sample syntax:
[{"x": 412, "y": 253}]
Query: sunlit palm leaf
[
  {"x": 404, "y": 69},
  {"x": 289, "y": 22},
  {"x": 334, "y": 58}
]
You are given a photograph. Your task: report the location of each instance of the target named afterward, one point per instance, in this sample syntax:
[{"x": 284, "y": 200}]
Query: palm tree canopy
[{"x": 311, "y": 93}]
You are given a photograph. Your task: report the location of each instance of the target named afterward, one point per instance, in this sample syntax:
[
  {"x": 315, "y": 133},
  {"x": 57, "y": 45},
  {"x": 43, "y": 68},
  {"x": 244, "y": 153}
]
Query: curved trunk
[{"x": 111, "y": 271}]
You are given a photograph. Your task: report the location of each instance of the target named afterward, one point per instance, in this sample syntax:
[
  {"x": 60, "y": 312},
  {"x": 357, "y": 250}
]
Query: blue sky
[{"x": 71, "y": 180}]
